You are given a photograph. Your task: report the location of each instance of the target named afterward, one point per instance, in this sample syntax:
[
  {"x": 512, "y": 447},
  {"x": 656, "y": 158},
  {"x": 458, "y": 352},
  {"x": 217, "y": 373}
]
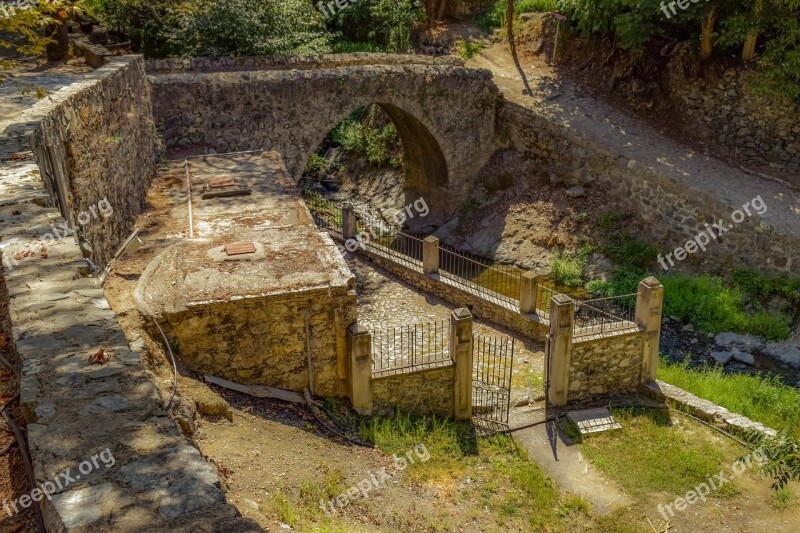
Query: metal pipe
[{"x": 189, "y": 196}]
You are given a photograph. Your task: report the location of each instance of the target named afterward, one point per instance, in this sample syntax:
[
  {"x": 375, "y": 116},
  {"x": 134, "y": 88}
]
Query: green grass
[
  {"x": 567, "y": 269},
  {"x": 759, "y": 398},
  {"x": 781, "y": 499},
  {"x": 467, "y": 48},
  {"x": 504, "y": 482},
  {"x": 658, "y": 451}
]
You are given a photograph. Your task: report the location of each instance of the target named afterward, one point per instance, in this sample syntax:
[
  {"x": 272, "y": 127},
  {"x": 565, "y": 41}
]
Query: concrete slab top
[
  {"x": 593, "y": 420},
  {"x": 289, "y": 255}
]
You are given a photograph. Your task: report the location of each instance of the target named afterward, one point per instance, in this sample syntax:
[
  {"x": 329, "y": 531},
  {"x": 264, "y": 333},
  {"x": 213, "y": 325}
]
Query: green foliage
[
  {"x": 467, "y": 48},
  {"x": 709, "y": 304},
  {"x": 782, "y": 454},
  {"x": 387, "y": 24},
  {"x": 316, "y": 163},
  {"x": 496, "y": 16},
  {"x": 360, "y": 136},
  {"x": 567, "y": 269},
  {"x": 760, "y": 398}
]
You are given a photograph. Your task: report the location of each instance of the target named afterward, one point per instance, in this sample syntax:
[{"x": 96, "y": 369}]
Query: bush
[
  {"x": 360, "y": 136},
  {"x": 567, "y": 269}
]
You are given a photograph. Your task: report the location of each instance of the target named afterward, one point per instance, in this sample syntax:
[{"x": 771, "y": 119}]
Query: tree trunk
[
  {"x": 510, "y": 21},
  {"x": 749, "y": 48},
  {"x": 707, "y": 43},
  {"x": 58, "y": 50},
  {"x": 442, "y": 9}
]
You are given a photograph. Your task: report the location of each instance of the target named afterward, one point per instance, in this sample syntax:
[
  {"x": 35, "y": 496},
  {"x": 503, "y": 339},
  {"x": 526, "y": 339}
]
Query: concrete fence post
[
  {"x": 348, "y": 222},
  {"x": 430, "y": 255},
  {"x": 649, "y": 302},
  {"x": 562, "y": 317},
  {"x": 461, "y": 353},
  {"x": 359, "y": 345},
  {"x": 528, "y": 292}
]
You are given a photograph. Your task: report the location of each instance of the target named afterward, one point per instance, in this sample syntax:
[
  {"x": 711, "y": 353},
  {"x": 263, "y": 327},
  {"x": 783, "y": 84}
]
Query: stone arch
[{"x": 425, "y": 165}]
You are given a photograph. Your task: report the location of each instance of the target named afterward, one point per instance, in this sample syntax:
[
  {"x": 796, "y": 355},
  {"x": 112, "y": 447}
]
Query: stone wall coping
[
  {"x": 231, "y": 64},
  {"x": 590, "y": 338},
  {"x": 705, "y": 410}
]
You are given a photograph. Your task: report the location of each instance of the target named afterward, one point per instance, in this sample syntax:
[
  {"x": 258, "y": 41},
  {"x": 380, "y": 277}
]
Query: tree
[
  {"x": 781, "y": 456},
  {"x": 510, "y": 21}
]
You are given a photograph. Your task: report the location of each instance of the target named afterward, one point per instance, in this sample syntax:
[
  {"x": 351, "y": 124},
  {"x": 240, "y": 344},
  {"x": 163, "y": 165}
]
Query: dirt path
[{"x": 536, "y": 85}]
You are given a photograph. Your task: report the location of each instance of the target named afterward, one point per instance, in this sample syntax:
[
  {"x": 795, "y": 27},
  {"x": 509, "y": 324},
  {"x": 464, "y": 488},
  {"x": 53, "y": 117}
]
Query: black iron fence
[
  {"x": 491, "y": 281},
  {"x": 493, "y": 366},
  {"x": 410, "y": 347},
  {"x": 604, "y": 314},
  {"x": 326, "y": 214}
]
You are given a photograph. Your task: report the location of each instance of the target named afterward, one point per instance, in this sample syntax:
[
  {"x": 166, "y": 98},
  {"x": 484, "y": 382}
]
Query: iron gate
[{"x": 491, "y": 382}]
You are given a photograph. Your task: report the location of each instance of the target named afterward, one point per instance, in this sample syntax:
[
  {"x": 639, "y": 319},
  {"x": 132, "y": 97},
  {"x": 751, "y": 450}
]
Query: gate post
[
  {"x": 430, "y": 255},
  {"x": 562, "y": 316},
  {"x": 461, "y": 354},
  {"x": 528, "y": 292},
  {"x": 348, "y": 222},
  {"x": 649, "y": 301},
  {"x": 359, "y": 347}
]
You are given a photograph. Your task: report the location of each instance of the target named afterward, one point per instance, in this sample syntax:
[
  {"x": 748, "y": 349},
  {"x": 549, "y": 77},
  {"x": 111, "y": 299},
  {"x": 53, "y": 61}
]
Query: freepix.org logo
[{"x": 9, "y": 9}]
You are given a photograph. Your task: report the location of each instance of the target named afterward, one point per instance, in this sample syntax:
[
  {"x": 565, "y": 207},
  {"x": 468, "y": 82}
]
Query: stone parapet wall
[
  {"x": 95, "y": 140},
  {"x": 607, "y": 365},
  {"x": 674, "y": 212},
  {"x": 221, "y": 339},
  {"x": 428, "y": 392},
  {"x": 184, "y": 65}
]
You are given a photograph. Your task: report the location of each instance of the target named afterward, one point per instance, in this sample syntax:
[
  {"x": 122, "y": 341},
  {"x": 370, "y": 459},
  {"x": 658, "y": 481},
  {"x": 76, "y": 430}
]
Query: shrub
[{"x": 567, "y": 269}]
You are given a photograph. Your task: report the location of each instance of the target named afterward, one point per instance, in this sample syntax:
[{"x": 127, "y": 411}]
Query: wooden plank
[
  {"x": 216, "y": 183},
  {"x": 238, "y": 248},
  {"x": 258, "y": 391}
]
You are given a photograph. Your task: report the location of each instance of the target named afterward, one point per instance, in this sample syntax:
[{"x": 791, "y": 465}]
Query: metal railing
[
  {"x": 544, "y": 296},
  {"x": 326, "y": 214},
  {"x": 604, "y": 314},
  {"x": 410, "y": 347},
  {"x": 401, "y": 248},
  {"x": 480, "y": 275}
]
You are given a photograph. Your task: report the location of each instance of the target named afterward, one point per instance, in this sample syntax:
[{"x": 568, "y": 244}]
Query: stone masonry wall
[
  {"x": 444, "y": 113},
  {"x": 75, "y": 409},
  {"x": 674, "y": 212},
  {"x": 220, "y": 338},
  {"x": 430, "y": 391},
  {"x": 610, "y": 365},
  {"x": 96, "y": 140}
]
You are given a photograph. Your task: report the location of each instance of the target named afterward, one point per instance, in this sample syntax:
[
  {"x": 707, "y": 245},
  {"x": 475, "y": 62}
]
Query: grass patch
[
  {"x": 780, "y": 499},
  {"x": 500, "y": 478},
  {"x": 467, "y": 48},
  {"x": 649, "y": 455},
  {"x": 763, "y": 399},
  {"x": 567, "y": 269}
]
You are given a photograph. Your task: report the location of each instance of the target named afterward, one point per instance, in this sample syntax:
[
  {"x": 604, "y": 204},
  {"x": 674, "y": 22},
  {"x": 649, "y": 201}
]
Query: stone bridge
[{"x": 444, "y": 113}]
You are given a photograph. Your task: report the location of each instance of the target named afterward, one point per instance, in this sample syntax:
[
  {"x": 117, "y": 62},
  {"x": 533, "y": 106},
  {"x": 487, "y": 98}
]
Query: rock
[
  {"x": 739, "y": 341},
  {"x": 694, "y": 341},
  {"x": 525, "y": 400},
  {"x": 744, "y": 357},
  {"x": 106, "y": 404},
  {"x": 784, "y": 352},
  {"x": 721, "y": 357},
  {"x": 538, "y": 398},
  {"x": 84, "y": 506},
  {"x": 688, "y": 327},
  {"x": 576, "y": 192}
]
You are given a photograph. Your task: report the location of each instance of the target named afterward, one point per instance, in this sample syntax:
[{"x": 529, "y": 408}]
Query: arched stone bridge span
[{"x": 444, "y": 113}]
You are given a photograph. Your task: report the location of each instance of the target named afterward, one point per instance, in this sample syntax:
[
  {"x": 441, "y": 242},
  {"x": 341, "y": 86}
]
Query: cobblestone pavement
[
  {"x": 385, "y": 301},
  {"x": 632, "y": 137}
]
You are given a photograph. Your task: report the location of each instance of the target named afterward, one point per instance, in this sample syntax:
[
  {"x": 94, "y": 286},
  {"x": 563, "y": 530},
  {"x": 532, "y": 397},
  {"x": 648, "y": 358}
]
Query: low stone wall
[
  {"x": 263, "y": 341},
  {"x": 674, "y": 212},
  {"x": 499, "y": 312},
  {"x": 427, "y": 392},
  {"x": 610, "y": 365},
  {"x": 706, "y": 410},
  {"x": 233, "y": 64},
  {"x": 94, "y": 141}
]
